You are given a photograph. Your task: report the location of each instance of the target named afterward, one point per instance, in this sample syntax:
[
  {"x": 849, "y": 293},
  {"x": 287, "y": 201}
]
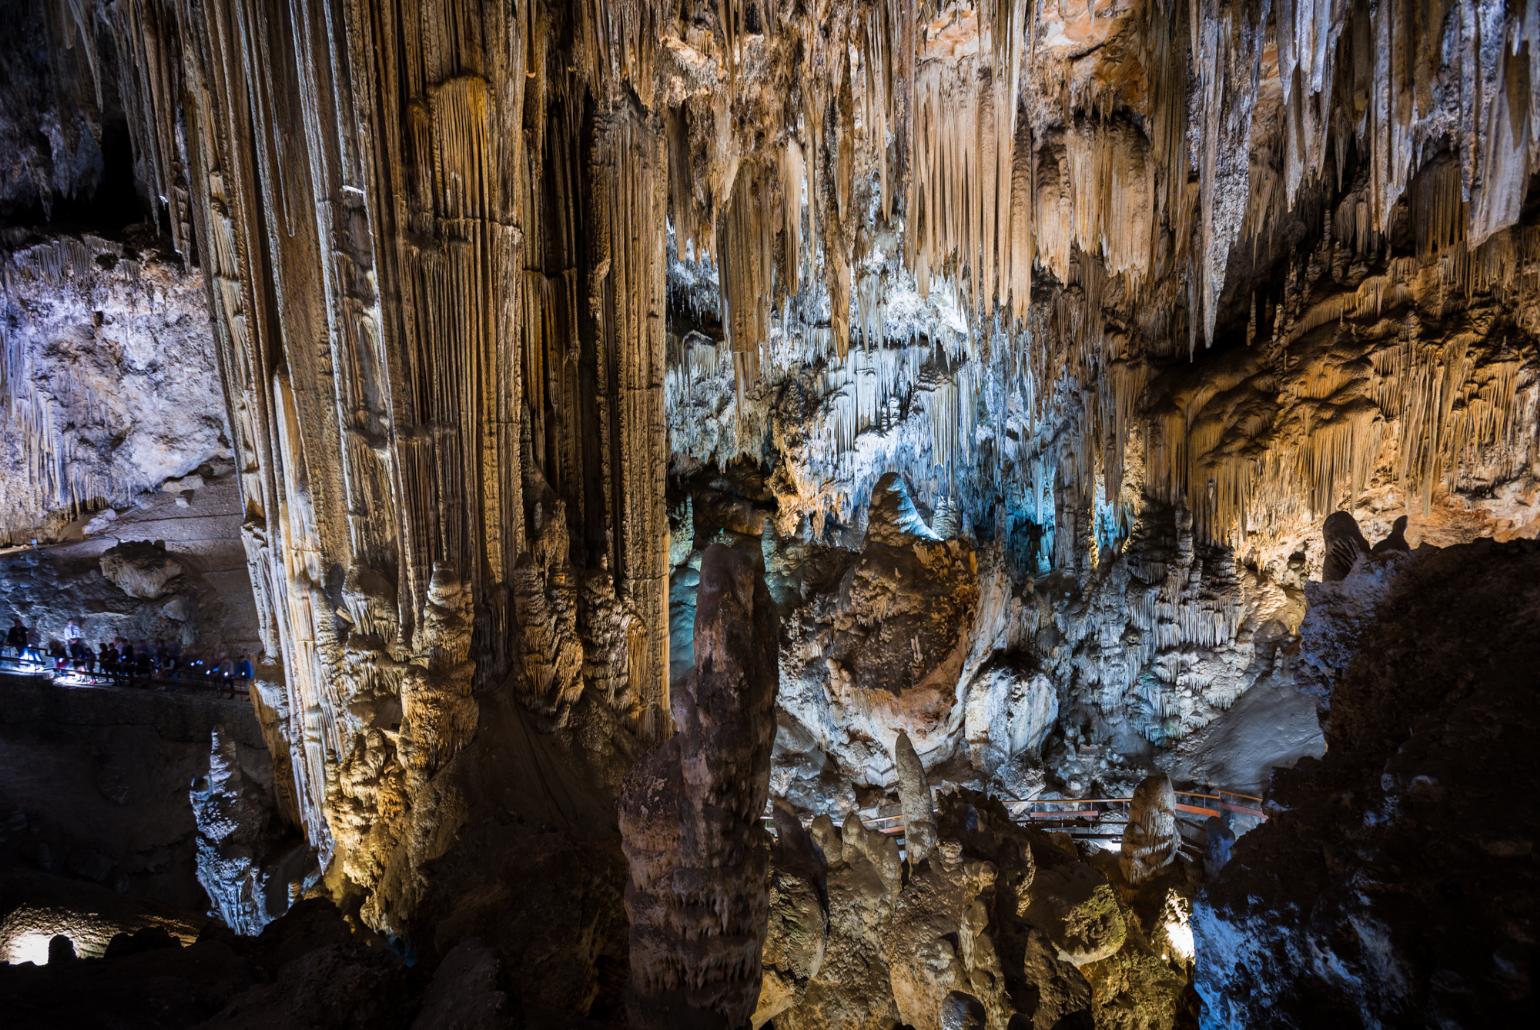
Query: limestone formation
[
  {"x": 796, "y": 939},
  {"x": 908, "y": 600},
  {"x": 1150, "y": 839},
  {"x": 140, "y": 569},
  {"x": 158, "y": 571},
  {"x": 1029, "y": 344},
  {"x": 436, "y": 252},
  {"x": 108, "y": 380},
  {"x": 987, "y": 933},
  {"x": 914, "y": 800},
  {"x": 690, "y": 817}
]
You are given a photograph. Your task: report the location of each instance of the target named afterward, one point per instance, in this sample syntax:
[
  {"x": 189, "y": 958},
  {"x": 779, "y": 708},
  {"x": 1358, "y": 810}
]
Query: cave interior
[{"x": 805, "y": 514}]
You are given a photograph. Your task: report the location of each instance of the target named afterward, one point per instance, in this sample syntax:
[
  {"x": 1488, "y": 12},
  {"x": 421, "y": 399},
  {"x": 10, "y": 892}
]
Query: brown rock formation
[
  {"x": 1345, "y": 544},
  {"x": 1000, "y": 927},
  {"x": 908, "y": 600},
  {"x": 1396, "y": 541},
  {"x": 690, "y": 817},
  {"x": 1133, "y": 292}
]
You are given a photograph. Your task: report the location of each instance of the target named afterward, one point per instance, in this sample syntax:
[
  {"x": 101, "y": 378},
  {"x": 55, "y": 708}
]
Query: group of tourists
[{"x": 124, "y": 661}]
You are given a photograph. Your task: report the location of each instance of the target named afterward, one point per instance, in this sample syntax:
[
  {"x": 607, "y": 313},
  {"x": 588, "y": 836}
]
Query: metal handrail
[
  {"x": 232, "y": 687},
  {"x": 893, "y": 825}
]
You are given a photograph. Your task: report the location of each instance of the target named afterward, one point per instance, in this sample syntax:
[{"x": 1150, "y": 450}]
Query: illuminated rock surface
[
  {"x": 249, "y": 871},
  {"x": 1020, "y": 924},
  {"x": 109, "y": 386}
]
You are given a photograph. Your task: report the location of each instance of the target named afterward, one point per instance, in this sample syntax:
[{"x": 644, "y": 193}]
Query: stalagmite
[
  {"x": 690, "y": 816},
  {"x": 1345, "y": 545},
  {"x": 1028, "y": 345},
  {"x": 1396, "y": 541},
  {"x": 914, "y": 801},
  {"x": 1150, "y": 839}
]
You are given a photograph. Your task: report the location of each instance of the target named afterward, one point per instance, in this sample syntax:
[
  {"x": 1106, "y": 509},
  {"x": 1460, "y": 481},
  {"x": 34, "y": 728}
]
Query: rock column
[{"x": 690, "y": 817}]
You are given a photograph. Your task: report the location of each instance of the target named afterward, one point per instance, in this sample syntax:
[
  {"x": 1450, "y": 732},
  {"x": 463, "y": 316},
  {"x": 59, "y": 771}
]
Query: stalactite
[
  {"x": 744, "y": 237},
  {"x": 627, "y": 298},
  {"x": 437, "y": 281}
]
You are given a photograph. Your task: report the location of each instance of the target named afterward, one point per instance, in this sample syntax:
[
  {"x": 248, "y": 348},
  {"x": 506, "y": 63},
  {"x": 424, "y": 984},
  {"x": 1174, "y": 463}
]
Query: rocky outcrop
[
  {"x": 797, "y": 934},
  {"x": 906, "y": 604},
  {"x": 1345, "y": 544},
  {"x": 1395, "y": 882},
  {"x": 140, "y": 569},
  {"x": 690, "y": 816},
  {"x": 1087, "y": 680},
  {"x": 876, "y": 641}
]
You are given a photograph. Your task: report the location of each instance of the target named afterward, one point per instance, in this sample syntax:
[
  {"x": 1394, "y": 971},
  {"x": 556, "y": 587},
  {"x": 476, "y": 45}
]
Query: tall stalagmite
[
  {"x": 691, "y": 816},
  {"x": 914, "y": 800}
]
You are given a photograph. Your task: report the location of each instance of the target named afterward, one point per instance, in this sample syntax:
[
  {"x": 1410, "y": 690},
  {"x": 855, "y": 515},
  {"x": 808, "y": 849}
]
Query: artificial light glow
[
  {"x": 1176, "y": 923},
  {"x": 28, "y": 946},
  {"x": 26, "y": 931}
]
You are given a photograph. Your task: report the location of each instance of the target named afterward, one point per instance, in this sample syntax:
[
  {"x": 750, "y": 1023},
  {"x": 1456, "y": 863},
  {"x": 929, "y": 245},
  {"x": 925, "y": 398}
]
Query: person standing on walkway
[
  {"x": 16, "y": 639},
  {"x": 57, "y": 655}
]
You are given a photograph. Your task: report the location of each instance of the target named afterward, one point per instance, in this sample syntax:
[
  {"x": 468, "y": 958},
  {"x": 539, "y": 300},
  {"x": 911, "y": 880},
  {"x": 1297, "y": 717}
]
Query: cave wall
[
  {"x": 108, "y": 382},
  {"x": 1392, "y": 883}
]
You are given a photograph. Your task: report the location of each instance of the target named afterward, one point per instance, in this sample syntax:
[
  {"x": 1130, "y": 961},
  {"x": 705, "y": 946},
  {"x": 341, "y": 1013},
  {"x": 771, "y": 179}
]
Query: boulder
[{"x": 140, "y": 569}]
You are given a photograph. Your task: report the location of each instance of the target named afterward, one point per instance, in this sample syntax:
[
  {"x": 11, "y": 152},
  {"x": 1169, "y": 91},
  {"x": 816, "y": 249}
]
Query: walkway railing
[
  {"x": 1085, "y": 818},
  {"x": 191, "y": 678}
]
